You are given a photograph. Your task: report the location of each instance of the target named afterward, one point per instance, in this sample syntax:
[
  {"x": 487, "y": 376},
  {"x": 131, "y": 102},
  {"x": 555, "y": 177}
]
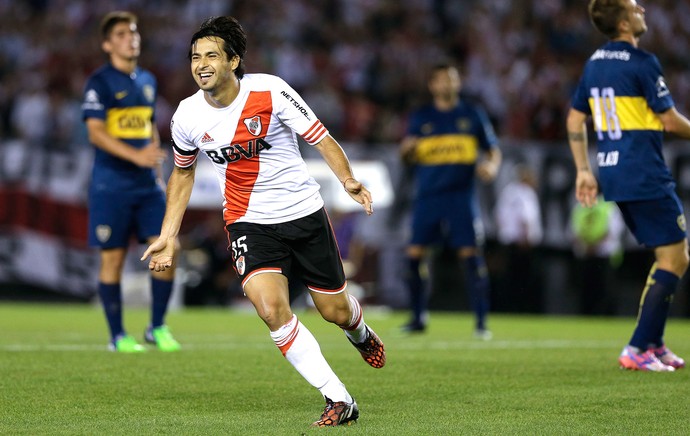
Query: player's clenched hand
[
  {"x": 161, "y": 251},
  {"x": 360, "y": 194},
  {"x": 150, "y": 156},
  {"x": 487, "y": 171},
  {"x": 586, "y": 188}
]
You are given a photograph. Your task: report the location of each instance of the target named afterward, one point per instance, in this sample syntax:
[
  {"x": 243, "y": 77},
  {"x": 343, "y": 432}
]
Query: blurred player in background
[
  {"x": 125, "y": 196},
  {"x": 275, "y": 217},
  {"x": 623, "y": 89},
  {"x": 448, "y": 142}
]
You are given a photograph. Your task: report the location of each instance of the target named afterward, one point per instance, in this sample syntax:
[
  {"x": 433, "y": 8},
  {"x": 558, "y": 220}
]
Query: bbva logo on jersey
[
  {"x": 235, "y": 152},
  {"x": 253, "y": 125}
]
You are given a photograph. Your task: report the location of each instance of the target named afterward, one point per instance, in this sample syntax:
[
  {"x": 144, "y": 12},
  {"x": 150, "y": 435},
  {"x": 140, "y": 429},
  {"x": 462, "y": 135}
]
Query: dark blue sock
[
  {"x": 417, "y": 290},
  {"x": 111, "y": 299},
  {"x": 477, "y": 284},
  {"x": 654, "y": 306},
  {"x": 160, "y": 296}
]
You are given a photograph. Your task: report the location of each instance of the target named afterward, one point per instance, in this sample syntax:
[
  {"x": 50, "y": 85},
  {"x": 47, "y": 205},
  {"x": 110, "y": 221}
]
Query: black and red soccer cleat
[
  {"x": 372, "y": 350},
  {"x": 338, "y": 413}
]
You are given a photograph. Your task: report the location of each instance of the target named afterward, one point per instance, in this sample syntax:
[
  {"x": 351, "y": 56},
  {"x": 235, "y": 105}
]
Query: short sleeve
[
  {"x": 580, "y": 99},
  {"x": 95, "y": 100},
  {"x": 487, "y": 135},
  {"x": 654, "y": 86},
  {"x": 292, "y": 110},
  {"x": 185, "y": 151}
]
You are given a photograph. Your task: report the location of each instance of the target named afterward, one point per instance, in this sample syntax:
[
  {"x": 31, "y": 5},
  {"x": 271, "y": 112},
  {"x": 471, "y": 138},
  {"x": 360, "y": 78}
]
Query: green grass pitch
[{"x": 539, "y": 376}]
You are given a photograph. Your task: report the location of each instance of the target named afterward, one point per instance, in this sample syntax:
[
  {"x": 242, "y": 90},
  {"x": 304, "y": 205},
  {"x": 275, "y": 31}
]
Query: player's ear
[
  {"x": 623, "y": 26},
  {"x": 105, "y": 46},
  {"x": 234, "y": 62}
]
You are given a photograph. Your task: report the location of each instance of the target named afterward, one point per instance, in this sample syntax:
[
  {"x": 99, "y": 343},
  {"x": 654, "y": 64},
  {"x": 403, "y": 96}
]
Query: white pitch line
[{"x": 406, "y": 346}]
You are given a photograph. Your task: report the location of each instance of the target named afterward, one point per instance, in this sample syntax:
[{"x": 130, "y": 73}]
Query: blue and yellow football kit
[
  {"x": 623, "y": 89},
  {"x": 448, "y": 147},
  {"x": 124, "y": 199}
]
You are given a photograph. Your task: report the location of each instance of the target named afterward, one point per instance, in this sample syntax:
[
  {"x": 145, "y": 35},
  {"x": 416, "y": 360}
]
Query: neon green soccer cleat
[
  {"x": 126, "y": 344},
  {"x": 162, "y": 338}
]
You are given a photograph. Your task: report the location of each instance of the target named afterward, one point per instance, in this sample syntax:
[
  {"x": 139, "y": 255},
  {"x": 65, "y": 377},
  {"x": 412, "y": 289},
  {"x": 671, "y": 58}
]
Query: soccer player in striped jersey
[
  {"x": 247, "y": 125},
  {"x": 623, "y": 89},
  {"x": 125, "y": 196}
]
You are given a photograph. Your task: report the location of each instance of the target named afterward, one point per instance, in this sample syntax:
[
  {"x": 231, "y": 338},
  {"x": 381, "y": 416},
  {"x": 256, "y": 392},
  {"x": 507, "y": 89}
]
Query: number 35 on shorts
[{"x": 239, "y": 247}]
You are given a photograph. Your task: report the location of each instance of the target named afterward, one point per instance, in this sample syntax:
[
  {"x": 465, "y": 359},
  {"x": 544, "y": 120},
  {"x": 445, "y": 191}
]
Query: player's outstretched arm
[
  {"x": 162, "y": 251},
  {"x": 336, "y": 159}
]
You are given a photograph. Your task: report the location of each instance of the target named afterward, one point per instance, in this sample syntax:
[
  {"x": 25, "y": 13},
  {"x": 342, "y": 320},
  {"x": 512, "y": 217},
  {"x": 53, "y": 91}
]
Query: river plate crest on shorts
[{"x": 240, "y": 265}]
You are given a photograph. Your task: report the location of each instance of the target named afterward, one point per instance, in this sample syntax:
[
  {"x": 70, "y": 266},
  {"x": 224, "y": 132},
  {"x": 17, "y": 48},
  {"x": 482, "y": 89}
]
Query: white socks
[
  {"x": 300, "y": 348},
  {"x": 356, "y": 330}
]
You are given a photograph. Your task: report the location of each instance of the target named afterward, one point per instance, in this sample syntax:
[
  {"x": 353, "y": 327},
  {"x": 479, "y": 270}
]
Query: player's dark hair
[
  {"x": 231, "y": 32},
  {"x": 113, "y": 18},
  {"x": 606, "y": 14},
  {"x": 442, "y": 66}
]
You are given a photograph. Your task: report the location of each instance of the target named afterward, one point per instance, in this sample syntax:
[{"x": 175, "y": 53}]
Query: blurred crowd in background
[{"x": 360, "y": 63}]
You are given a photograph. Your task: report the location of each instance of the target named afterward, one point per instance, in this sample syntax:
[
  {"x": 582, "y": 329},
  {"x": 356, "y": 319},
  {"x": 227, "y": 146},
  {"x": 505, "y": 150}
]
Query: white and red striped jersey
[{"x": 253, "y": 146}]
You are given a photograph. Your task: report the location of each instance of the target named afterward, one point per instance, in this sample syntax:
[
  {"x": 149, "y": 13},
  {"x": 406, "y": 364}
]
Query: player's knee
[
  {"x": 274, "y": 316},
  {"x": 415, "y": 251},
  {"x": 336, "y": 313},
  {"x": 682, "y": 263},
  {"x": 168, "y": 275},
  {"x": 677, "y": 264}
]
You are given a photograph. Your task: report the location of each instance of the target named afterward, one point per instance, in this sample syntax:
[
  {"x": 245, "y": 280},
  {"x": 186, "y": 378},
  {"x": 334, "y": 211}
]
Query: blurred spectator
[
  {"x": 519, "y": 231},
  {"x": 523, "y": 57},
  {"x": 598, "y": 248}
]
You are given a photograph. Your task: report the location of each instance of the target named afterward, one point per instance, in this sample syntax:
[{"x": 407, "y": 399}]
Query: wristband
[{"x": 345, "y": 181}]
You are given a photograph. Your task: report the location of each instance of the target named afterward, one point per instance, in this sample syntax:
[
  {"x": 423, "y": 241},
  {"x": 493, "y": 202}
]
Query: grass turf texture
[{"x": 539, "y": 375}]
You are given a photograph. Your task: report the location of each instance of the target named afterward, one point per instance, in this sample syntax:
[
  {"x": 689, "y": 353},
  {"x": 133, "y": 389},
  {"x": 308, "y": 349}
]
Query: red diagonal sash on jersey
[{"x": 241, "y": 175}]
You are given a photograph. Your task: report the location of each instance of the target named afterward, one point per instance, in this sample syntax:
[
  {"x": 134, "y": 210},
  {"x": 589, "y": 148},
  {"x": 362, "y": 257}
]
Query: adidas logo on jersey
[{"x": 206, "y": 138}]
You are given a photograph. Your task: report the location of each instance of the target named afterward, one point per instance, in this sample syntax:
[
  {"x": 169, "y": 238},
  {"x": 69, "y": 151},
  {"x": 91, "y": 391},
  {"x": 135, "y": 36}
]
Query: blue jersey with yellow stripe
[
  {"x": 125, "y": 102},
  {"x": 623, "y": 89},
  {"x": 448, "y": 146}
]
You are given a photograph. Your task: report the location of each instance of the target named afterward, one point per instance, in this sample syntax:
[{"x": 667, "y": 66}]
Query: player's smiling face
[{"x": 211, "y": 68}]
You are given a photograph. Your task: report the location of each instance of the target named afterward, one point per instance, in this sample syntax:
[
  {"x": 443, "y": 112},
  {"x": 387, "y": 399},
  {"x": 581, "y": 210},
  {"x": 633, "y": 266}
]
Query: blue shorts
[
  {"x": 657, "y": 222},
  {"x": 452, "y": 217},
  {"x": 115, "y": 216}
]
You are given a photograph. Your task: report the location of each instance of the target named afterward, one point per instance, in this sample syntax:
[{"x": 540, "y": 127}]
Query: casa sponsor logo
[
  {"x": 131, "y": 122},
  {"x": 253, "y": 125},
  {"x": 296, "y": 104},
  {"x": 681, "y": 222}
]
